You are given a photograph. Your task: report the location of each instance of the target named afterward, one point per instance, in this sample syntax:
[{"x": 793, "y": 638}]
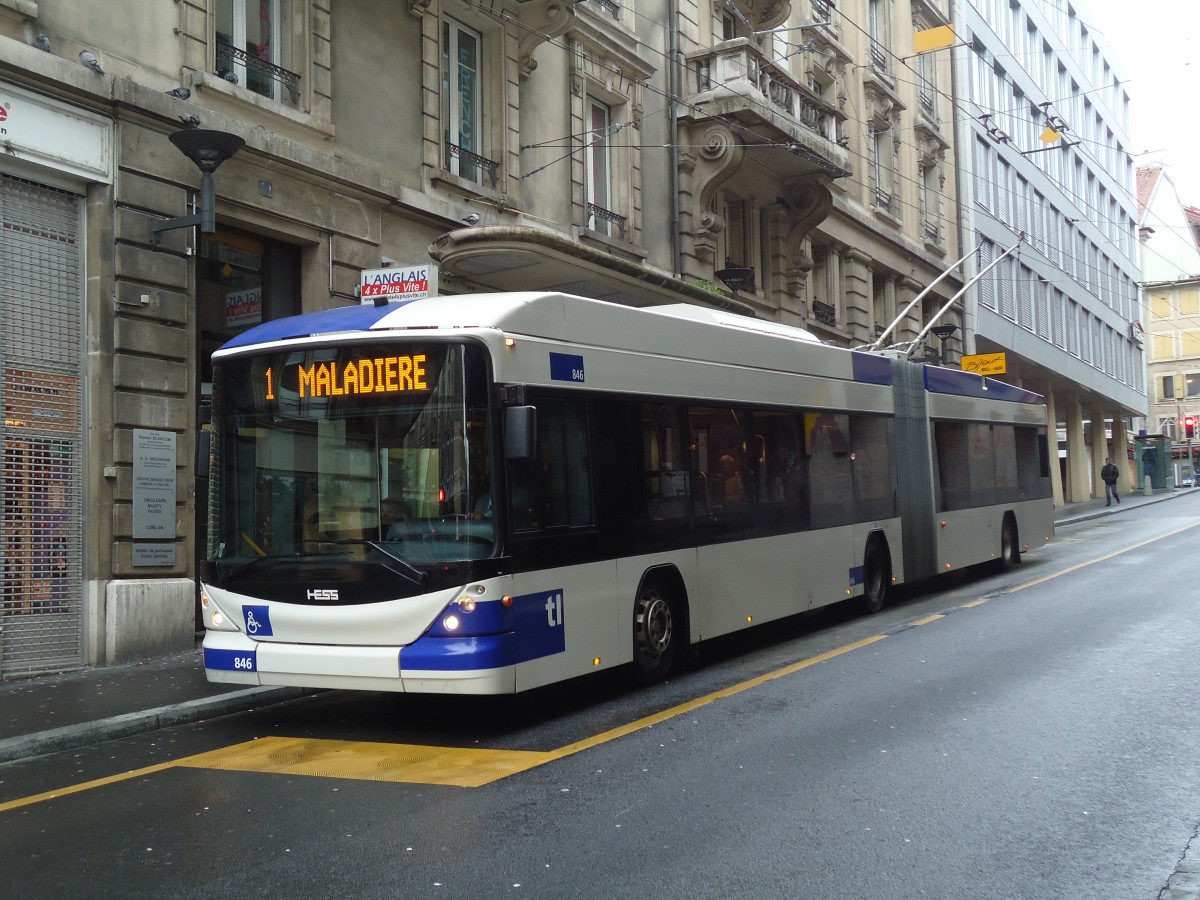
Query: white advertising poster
[
  {"x": 243, "y": 308},
  {"x": 399, "y": 283}
]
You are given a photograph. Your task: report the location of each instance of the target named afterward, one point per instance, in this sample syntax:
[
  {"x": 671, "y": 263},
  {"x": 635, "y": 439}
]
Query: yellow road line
[
  {"x": 664, "y": 715},
  {"x": 475, "y": 767},
  {"x": 85, "y": 786}
]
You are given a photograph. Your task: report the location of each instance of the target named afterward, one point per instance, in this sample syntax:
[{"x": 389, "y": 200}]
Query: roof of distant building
[
  {"x": 1193, "y": 218},
  {"x": 1147, "y": 180}
]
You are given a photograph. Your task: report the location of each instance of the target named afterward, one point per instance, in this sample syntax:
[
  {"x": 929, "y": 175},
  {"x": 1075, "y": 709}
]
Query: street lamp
[
  {"x": 735, "y": 278},
  {"x": 207, "y": 149},
  {"x": 943, "y": 332}
]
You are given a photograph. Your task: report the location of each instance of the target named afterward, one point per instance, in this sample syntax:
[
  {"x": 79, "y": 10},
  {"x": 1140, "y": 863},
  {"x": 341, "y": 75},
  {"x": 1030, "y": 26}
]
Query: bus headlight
[
  {"x": 214, "y": 618},
  {"x": 466, "y": 604},
  {"x": 451, "y": 622}
]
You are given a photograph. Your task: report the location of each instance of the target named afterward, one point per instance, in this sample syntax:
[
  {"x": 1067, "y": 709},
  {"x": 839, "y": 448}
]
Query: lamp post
[
  {"x": 207, "y": 149},
  {"x": 735, "y": 278},
  {"x": 943, "y": 332}
]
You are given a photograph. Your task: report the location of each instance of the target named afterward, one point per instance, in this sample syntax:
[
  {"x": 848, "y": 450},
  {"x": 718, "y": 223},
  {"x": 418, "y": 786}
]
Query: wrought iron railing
[
  {"x": 925, "y": 94},
  {"x": 613, "y": 9},
  {"x": 598, "y": 214},
  {"x": 471, "y": 165},
  {"x": 878, "y": 56},
  {"x": 883, "y": 200},
  {"x": 260, "y": 74},
  {"x": 933, "y": 231},
  {"x": 824, "y": 313},
  {"x": 822, "y": 11}
]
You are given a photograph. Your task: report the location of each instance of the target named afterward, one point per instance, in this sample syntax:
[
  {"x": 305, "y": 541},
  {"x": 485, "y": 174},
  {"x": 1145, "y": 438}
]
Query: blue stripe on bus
[
  {"x": 871, "y": 368},
  {"x": 968, "y": 384},
  {"x": 343, "y": 318},
  {"x": 231, "y": 660},
  {"x": 539, "y": 631}
]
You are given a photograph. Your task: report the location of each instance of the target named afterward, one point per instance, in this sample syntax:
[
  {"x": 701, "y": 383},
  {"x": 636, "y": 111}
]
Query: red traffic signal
[{"x": 1189, "y": 426}]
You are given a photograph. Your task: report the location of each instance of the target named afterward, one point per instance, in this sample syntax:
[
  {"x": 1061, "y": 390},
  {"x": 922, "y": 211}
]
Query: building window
[
  {"x": 927, "y": 86},
  {"x": 598, "y": 162},
  {"x": 878, "y": 31},
  {"x": 881, "y": 170},
  {"x": 462, "y": 104},
  {"x": 737, "y": 249},
  {"x": 931, "y": 213},
  {"x": 254, "y": 47}
]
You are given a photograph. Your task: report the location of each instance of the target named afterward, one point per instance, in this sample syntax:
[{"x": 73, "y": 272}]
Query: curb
[
  {"x": 74, "y": 737},
  {"x": 1112, "y": 511}
]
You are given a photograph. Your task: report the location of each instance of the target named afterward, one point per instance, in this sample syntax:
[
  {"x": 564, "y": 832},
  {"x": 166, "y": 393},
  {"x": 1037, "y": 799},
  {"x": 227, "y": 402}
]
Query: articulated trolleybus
[{"x": 486, "y": 494}]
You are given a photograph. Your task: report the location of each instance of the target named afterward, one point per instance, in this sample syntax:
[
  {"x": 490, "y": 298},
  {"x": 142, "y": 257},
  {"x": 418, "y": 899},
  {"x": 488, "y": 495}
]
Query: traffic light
[{"x": 1189, "y": 427}]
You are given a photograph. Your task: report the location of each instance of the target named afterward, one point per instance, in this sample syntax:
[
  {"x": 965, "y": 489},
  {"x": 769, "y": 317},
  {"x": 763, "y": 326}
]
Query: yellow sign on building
[{"x": 986, "y": 364}]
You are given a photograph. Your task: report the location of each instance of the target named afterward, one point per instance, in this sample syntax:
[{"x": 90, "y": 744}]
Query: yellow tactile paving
[{"x": 368, "y": 761}]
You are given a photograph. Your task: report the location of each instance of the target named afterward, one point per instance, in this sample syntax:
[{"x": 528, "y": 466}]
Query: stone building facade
[{"x": 640, "y": 152}]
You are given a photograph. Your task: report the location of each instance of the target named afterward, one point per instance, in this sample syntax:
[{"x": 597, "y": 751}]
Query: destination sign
[{"x": 353, "y": 377}]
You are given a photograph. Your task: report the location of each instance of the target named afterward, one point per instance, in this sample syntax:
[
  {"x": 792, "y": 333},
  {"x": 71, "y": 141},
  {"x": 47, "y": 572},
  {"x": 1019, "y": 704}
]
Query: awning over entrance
[{"x": 520, "y": 258}]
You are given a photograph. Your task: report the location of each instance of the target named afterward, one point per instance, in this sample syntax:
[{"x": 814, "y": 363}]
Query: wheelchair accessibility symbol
[{"x": 258, "y": 620}]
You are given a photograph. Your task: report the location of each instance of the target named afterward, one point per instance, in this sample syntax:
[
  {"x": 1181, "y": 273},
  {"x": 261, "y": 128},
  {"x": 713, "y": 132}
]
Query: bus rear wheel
[
  {"x": 1010, "y": 547},
  {"x": 876, "y": 575},
  {"x": 654, "y": 637}
]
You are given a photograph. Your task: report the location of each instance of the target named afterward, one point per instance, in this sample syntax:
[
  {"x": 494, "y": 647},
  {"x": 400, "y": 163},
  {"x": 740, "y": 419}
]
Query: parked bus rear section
[{"x": 490, "y": 493}]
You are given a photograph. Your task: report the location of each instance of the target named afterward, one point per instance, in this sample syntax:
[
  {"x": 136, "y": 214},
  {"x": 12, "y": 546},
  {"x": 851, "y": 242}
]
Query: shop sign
[
  {"x": 47, "y": 134},
  {"x": 986, "y": 364},
  {"x": 399, "y": 283}
]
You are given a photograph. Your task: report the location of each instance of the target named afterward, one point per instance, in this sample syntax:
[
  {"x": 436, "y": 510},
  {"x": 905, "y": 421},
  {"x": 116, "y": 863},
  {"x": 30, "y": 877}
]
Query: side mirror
[
  {"x": 520, "y": 432},
  {"x": 203, "y": 451}
]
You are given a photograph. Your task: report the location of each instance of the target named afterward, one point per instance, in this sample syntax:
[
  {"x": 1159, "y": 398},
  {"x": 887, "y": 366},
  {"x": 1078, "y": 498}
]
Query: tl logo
[{"x": 554, "y": 610}]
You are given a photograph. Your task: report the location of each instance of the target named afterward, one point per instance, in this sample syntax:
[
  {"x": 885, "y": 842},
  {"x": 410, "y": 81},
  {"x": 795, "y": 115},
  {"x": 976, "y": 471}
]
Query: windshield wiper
[
  {"x": 405, "y": 569},
  {"x": 241, "y": 567}
]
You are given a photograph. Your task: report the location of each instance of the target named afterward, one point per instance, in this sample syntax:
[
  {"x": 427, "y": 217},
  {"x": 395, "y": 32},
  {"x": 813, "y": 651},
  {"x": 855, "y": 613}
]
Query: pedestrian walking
[{"x": 1109, "y": 475}]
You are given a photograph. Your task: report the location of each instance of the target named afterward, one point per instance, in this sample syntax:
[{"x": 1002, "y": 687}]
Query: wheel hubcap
[{"x": 655, "y": 624}]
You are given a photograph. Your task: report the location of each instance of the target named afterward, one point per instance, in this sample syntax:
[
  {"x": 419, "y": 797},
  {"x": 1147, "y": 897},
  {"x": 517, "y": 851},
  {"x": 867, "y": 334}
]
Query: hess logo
[{"x": 325, "y": 594}]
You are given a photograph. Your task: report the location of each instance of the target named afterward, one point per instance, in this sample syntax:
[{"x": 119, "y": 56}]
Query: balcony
[
  {"x": 606, "y": 221},
  {"x": 257, "y": 74},
  {"x": 609, "y": 6},
  {"x": 824, "y": 313},
  {"x": 471, "y": 166},
  {"x": 734, "y": 81}
]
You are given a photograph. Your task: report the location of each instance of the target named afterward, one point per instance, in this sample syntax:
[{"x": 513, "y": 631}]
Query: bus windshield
[{"x": 376, "y": 451}]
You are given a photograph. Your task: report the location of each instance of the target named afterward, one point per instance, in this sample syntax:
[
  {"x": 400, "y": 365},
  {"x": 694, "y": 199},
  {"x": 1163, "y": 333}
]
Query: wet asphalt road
[{"x": 1039, "y": 744}]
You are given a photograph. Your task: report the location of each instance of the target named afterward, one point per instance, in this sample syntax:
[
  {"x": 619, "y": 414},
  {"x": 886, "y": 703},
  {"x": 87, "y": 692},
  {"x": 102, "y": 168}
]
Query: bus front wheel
[{"x": 654, "y": 635}]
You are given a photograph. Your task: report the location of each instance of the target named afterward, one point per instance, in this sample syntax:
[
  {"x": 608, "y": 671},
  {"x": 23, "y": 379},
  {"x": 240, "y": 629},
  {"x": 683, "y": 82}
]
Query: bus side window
[
  {"x": 830, "y": 472},
  {"x": 871, "y": 457},
  {"x": 953, "y": 478},
  {"x": 719, "y": 449},
  {"x": 663, "y": 465},
  {"x": 554, "y": 489},
  {"x": 783, "y": 468}
]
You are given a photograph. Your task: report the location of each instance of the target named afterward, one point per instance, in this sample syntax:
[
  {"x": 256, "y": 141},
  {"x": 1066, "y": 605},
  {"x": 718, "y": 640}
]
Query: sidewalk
[{"x": 50, "y": 713}]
